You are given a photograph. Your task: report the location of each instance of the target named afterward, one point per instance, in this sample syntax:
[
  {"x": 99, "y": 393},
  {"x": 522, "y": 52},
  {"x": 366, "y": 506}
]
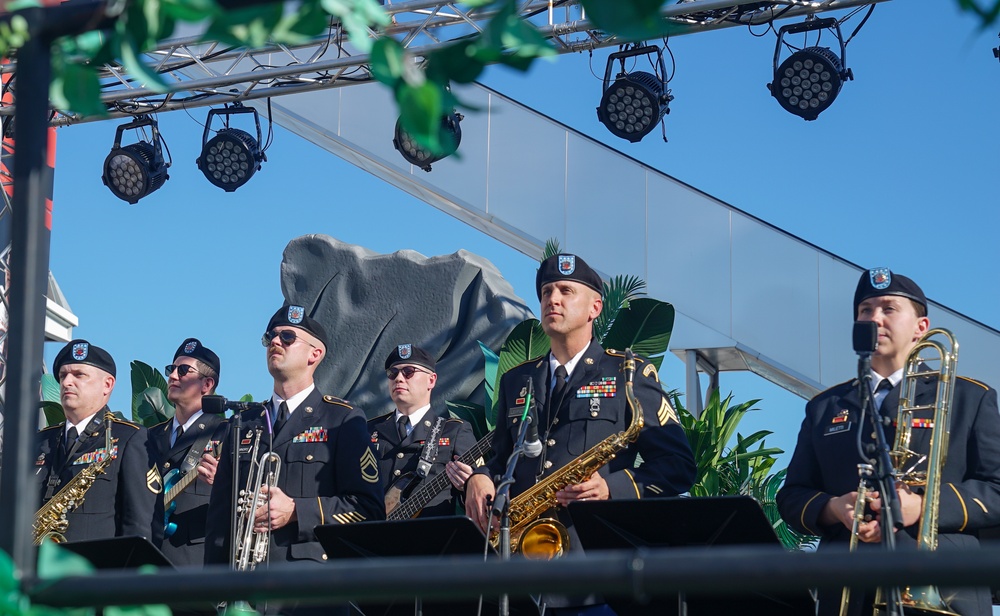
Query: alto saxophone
[
  {"x": 546, "y": 538},
  {"x": 50, "y": 520}
]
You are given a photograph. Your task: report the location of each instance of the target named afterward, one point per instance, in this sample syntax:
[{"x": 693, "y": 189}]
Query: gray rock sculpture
[{"x": 370, "y": 302}]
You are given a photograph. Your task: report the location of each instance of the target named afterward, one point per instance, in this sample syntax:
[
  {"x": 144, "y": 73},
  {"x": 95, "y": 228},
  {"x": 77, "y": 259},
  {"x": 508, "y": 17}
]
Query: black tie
[
  {"x": 66, "y": 444},
  {"x": 401, "y": 424},
  {"x": 178, "y": 433},
  {"x": 282, "y": 416},
  {"x": 559, "y": 390},
  {"x": 886, "y": 386}
]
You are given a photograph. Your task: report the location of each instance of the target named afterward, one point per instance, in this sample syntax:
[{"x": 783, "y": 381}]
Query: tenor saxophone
[
  {"x": 546, "y": 538},
  {"x": 50, "y": 520}
]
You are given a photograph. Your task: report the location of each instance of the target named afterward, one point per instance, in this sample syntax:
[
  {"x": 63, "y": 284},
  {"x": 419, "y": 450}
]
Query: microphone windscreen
[
  {"x": 213, "y": 405},
  {"x": 865, "y": 336}
]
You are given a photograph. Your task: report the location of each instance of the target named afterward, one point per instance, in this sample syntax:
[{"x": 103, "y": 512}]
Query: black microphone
[
  {"x": 217, "y": 405},
  {"x": 532, "y": 446},
  {"x": 865, "y": 337}
]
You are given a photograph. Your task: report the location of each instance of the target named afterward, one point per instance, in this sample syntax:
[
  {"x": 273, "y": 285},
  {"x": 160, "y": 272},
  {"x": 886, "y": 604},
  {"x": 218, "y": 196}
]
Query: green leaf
[
  {"x": 645, "y": 327},
  {"x": 137, "y": 610},
  {"x": 474, "y": 414},
  {"x": 148, "y": 77},
  {"x": 250, "y": 26},
  {"x": 246, "y": 398},
  {"x": 143, "y": 377},
  {"x": 455, "y": 63},
  {"x": 388, "y": 59},
  {"x": 631, "y": 20},
  {"x": 618, "y": 293},
  {"x": 421, "y": 108},
  {"x": 152, "y": 408},
  {"x": 50, "y": 388},
  {"x": 56, "y": 562},
  {"x": 191, "y": 10},
  {"x": 53, "y": 412},
  {"x": 77, "y": 88},
  {"x": 492, "y": 366},
  {"x": 551, "y": 248},
  {"x": 526, "y": 341}
]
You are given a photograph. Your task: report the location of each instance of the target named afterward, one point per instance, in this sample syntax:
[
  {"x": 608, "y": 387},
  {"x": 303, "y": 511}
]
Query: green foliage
[
  {"x": 551, "y": 248},
  {"x": 149, "y": 395},
  {"x": 743, "y": 469},
  {"x": 618, "y": 292},
  {"x": 987, "y": 12},
  {"x": 492, "y": 372},
  {"x": 475, "y": 414},
  {"x": 645, "y": 327}
]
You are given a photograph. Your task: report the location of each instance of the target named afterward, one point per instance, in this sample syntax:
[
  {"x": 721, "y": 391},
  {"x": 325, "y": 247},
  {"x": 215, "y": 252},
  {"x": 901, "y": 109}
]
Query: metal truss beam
[{"x": 204, "y": 73}]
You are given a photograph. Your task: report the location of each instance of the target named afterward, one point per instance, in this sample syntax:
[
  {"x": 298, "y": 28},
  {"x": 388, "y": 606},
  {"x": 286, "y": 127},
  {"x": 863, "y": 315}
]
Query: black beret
[
  {"x": 295, "y": 316},
  {"x": 567, "y": 267},
  {"x": 410, "y": 354},
  {"x": 82, "y": 352},
  {"x": 192, "y": 347},
  {"x": 881, "y": 281}
]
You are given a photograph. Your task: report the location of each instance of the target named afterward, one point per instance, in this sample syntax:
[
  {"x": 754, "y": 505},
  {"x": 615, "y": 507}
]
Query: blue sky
[{"x": 900, "y": 171}]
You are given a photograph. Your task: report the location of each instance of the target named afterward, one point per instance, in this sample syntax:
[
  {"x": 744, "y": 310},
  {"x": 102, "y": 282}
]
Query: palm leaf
[
  {"x": 492, "y": 373},
  {"x": 50, "y": 388},
  {"x": 145, "y": 376},
  {"x": 618, "y": 293},
  {"x": 551, "y": 248},
  {"x": 526, "y": 341},
  {"x": 53, "y": 412},
  {"x": 645, "y": 327},
  {"x": 152, "y": 408}
]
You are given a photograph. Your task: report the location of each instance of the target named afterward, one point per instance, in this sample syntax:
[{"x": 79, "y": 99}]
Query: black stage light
[
  {"x": 232, "y": 156},
  {"x": 632, "y": 106},
  {"x": 809, "y": 80},
  {"x": 137, "y": 169},
  {"x": 449, "y": 136}
]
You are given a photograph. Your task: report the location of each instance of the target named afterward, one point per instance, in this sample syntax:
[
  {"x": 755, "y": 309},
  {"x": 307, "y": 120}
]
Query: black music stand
[
  {"x": 686, "y": 522},
  {"x": 435, "y": 536},
  {"x": 119, "y": 553}
]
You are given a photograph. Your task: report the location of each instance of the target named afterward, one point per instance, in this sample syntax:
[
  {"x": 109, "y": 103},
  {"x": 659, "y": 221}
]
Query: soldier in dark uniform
[
  {"x": 402, "y": 437},
  {"x": 125, "y": 499},
  {"x": 820, "y": 490},
  {"x": 579, "y": 390},
  {"x": 329, "y": 473},
  {"x": 187, "y": 448}
]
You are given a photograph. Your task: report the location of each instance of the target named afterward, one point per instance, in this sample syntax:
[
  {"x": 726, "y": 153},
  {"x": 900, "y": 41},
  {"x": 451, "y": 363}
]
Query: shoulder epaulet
[
  {"x": 529, "y": 361},
  {"x": 381, "y": 417},
  {"x": 162, "y": 423},
  {"x": 850, "y": 383},
  {"x": 337, "y": 401},
  {"x": 125, "y": 423},
  {"x": 451, "y": 419},
  {"x": 975, "y": 382},
  {"x": 617, "y": 353},
  {"x": 61, "y": 424}
]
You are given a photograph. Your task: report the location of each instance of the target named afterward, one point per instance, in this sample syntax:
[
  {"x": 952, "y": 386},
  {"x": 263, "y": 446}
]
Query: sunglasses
[
  {"x": 286, "y": 336},
  {"x": 408, "y": 372},
  {"x": 182, "y": 370}
]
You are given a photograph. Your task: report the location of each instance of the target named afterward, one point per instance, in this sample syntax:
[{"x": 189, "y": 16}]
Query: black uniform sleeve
[
  {"x": 801, "y": 499},
  {"x": 140, "y": 489},
  {"x": 667, "y": 467}
]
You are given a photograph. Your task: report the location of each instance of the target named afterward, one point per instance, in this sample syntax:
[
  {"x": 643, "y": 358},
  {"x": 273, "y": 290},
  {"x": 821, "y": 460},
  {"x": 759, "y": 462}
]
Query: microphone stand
[
  {"x": 234, "y": 454},
  {"x": 892, "y": 516},
  {"x": 501, "y": 502}
]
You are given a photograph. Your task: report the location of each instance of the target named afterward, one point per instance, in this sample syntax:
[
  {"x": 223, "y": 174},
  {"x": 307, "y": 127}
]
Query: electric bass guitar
[
  {"x": 173, "y": 485},
  {"x": 403, "y": 500}
]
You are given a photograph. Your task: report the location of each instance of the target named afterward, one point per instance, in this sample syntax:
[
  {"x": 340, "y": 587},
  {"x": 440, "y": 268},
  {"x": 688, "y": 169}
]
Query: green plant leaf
[
  {"x": 250, "y": 26},
  {"x": 143, "y": 377},
  {"x": 191, "y": 10},
  {"x": 53, "y": 412},
  {"x": 492, "y": 365},
  {"x": 551, "y": 248},
  {"x": 618, "y": 293},
  {"x": 455, "y": 63},
  {"x": 77, "y": 88},
  {"x": 152, "y": 408},
  {"x": 421, "y": 108},
  {"x": 388, "y": 59},
  {"x": 56, "y": 562},
  {"x": 246, "y": 398},
  {"x": 526, "y": 341},
  {"x": 631, "y": 20},
  {"x": 474, "y": 414},
  {"x": 129, "y": 51},
  {"x": 645, "y": 327},
  {"x": 50, "y": 388}
]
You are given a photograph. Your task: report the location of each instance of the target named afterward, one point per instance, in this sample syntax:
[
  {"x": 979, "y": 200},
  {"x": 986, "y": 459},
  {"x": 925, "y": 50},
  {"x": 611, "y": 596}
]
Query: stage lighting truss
[
  {"x": 137, "y": 169},
  {"x": 449, "y": 136},
  {"x": 232, "y": 156},
  {"x": 809, "y": 80},
  {"x": 632, "y": 106}
]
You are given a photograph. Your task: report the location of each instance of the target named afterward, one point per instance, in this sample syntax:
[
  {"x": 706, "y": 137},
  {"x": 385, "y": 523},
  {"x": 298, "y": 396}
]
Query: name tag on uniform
[{"x": 837, "y": 428}]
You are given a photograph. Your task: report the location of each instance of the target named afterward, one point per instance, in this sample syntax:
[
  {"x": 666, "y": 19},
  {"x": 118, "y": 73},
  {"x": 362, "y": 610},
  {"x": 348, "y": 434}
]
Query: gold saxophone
[
  {"x": 546, "y": 538},
  {"x": 50, "y": 519}
]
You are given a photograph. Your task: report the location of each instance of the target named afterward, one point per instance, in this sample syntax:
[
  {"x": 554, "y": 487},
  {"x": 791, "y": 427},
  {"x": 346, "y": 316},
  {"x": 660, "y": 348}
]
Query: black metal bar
[
  {"x": 29, "y": 265},
  {"x": 644, "y": 573}
]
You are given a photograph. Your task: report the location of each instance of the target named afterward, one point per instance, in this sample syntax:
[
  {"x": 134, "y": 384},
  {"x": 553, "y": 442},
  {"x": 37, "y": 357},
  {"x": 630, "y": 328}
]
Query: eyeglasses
[
  {"x": 286, "y": 336},
  {"x": 182, "y": 370},
  {"x": 408, "y": 372}
]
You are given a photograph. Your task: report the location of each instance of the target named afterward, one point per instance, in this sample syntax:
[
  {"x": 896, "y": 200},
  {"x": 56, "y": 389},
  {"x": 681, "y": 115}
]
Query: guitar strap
[
  {"x": 195, "y": 452},
  {"x": 430, "y": 450}
]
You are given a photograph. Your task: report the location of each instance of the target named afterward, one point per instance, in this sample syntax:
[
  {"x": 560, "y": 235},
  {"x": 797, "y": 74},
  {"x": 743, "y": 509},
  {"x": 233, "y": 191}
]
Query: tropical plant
[{"x": 742, "y": 469}]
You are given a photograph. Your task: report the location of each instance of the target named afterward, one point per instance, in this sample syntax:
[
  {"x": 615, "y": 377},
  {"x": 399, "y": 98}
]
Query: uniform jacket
[
  {"x": 825, "y": 461},
  {"x": 591, "y": 410},
  {"x": 125, "y": 500},
  {"x": 398, "y": 460},
  {"x": 327, "y": 467},
  {"x": 186, "y": 546}
]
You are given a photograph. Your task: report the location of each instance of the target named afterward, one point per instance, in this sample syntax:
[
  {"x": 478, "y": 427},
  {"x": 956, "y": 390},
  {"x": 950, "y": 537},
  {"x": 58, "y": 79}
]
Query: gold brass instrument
[
  {"x": 547, "y": 538},
  {"x": 50, "y": 521},
  {"x": 865, "y": 472},
  {"x": 940, "y": 342},
  {"x": 251, "y": 547}
]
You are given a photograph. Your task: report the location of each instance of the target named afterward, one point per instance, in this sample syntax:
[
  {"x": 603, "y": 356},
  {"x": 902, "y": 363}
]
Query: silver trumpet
[{"x": 251, "y": 547}]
